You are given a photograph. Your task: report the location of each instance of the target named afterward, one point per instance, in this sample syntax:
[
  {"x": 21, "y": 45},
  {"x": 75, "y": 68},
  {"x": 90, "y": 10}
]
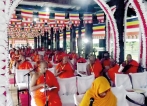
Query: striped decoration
[
  {"x": 132, "y": 31},
  {"x": 59, "y": 16},
  {"x": 88, "y": 18},
  {"x": 52, "y": 22},
  {"x": 27, "y": 15},
  {"x": 99, "y": 31},
  {"x": 100, "y": 17},
  {"x": 74, "y": 18},
  {"x": 43, "y": 16},
  {"x": 14, "y": 19},
  {"x": 67, "y": 34}
]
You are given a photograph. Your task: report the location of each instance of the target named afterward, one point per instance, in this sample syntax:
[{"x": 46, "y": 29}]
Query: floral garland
[
  {"x": 113, "y": 26},
  {"x": 107, "y": 34},
  {"x": 125, "y": 24},
  {"x": 137, "y": 6}
]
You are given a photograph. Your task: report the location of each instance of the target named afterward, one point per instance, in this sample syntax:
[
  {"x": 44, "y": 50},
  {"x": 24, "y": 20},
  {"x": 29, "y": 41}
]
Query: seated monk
[
  {"x": 40, "y": 58},
  {"x": 24, "y": 64},
  {"x": 46, "y": 58},
  {"x": 94, "y": 66},
  {"x": 101, "y": 92},
  {"x": 38, "y": 82},
  {"x": 35, "y": 57},
  {"x": 105, "y": 61},
  {"x": 57, "y": 57},
  {"x": 80, "y": 59},
  {"x": 113, "y": 69},
  {"x": 14, "y": 59},
  {"x": 73, "y": 55},
  {"x": 130, "y": 65},
  {"x": 64, "y": 69}
]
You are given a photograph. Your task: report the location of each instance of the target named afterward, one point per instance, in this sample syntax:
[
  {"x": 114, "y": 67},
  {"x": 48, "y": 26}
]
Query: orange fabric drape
[
  {"x": 81, "y": 60},
  {"x": 35, "y": 58},
  {"x": 25, "y": 65},
  {"x": 96, "y": 68},
  {"x": 134, "y": 67},
  {"x": 112, "y": 71},
  {"x": 99, "y": 85},
  {"x": 57, "y": 58},
  {"x": 106, "y": 62},
  {"x": 68, "y": 71},
  {"x": 54, "y": 99}
]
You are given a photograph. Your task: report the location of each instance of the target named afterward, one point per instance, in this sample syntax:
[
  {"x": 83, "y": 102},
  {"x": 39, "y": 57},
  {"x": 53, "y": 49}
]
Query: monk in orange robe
[
  {"x": 65, "y": 69},
  {"x": 35, "y": 57},
  {"x": 73, "y": 55},
  {"x": 106, "y": 61},
  {"x": 113, "y": 70},
  {"x": 24, "y": 64},
  {"x": 81, "y": 60},
  {"x": 14, "y": 59},
  {"x": 94, "y": 66},
  {"x": 41, "y": 79},
  {"x": 57, "y": 57},
  {"x": 46, "y": 58},
  {"x": 130, "y": 65}
]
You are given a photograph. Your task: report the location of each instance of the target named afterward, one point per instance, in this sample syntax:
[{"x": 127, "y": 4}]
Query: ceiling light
[
  {"x": 47, "y": 9},
  {"x": 35, "y": 19},
  {"x": 86, "y": 40}
]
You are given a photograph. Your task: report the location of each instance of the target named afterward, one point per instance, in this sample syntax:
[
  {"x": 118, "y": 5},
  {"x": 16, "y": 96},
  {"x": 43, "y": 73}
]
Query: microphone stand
[
  {"x": 46, "y": 103},
  {"x": 28, "y": 74}
]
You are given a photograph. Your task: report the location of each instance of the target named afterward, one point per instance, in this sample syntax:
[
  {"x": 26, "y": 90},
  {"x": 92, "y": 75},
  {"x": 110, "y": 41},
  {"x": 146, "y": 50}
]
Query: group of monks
[{"x": 64, "y": 68}]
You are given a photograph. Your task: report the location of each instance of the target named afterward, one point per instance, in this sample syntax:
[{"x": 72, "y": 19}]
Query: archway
[
  {"x": 113, "y": 26},
  {"x": 139, "y": 7},
  {"x": 132, "y": 35},
  {"x": 6, "y": 10}
]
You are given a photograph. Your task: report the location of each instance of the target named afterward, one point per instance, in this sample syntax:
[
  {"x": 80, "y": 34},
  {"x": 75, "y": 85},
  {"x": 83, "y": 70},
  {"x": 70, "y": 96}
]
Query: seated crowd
[{"x": 65, "y": 65}]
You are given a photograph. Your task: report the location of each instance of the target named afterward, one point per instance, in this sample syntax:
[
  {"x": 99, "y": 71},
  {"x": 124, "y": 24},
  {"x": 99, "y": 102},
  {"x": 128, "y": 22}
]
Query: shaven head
[
  {"x": 40, "y": 57},
  {"x": 129, "y": 57},
  {"x": 92, "y": 59},
  {"x": 22, "y": 57},
  {"x": 113, "y": 62},
  {"x": 65, "y": 59},
  {"x": 43, "y": 67}
]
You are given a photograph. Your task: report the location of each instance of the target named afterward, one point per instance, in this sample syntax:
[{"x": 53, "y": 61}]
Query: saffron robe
[
  {"x": 68, "y": 71},
  {"x": 53, "y": 97}
]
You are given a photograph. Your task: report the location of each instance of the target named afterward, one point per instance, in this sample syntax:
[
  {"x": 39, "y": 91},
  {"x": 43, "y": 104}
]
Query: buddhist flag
[
  {"x": 132, "y": 31},
  {"x": 100, "y": 17},
  {"x": 27, "y": 15},
  {"x": 88, "y": 18},
  {"x": 59, "y": 16},
  {"x": 99, "y": 31},
  {"x": 43, "y": 16}
]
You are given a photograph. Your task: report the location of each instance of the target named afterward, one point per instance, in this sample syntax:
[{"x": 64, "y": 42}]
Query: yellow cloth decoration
[{"x": 99, "y": 85}]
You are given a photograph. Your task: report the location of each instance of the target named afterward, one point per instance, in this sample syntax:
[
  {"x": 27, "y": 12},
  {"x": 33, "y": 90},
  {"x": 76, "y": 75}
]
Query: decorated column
[
  {"x": 42, "y": 41},
  {"x": 71, "y": 45},
  {"x": 38, "y": 42},
  {"x": 88, "y": 39},
  {"x": 57, "y": 40},
  {"x": 51, "y": 36},
  {"x": 88, "y": 19},
  {"x": 64, "y": 38},
  {"x": 47, "y": 40},
  {"x": 73, "y": 35},
  {"x": 80, "y": 38},
  {"x": 35, "y": 42},
  {"x": 119, "y": 16}
]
